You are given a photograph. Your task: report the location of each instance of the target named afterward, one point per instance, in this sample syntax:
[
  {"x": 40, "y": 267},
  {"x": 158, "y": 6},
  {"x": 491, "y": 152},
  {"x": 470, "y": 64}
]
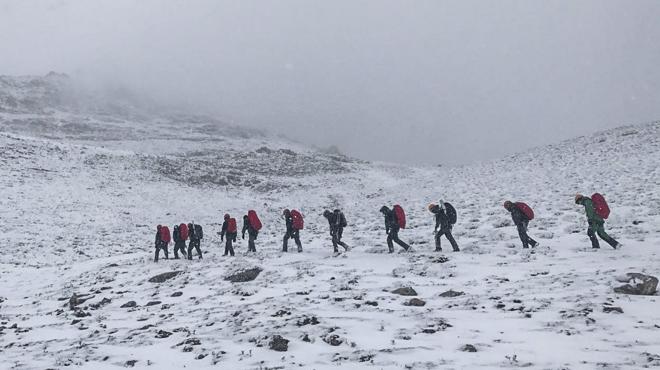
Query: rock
[
  {"x": 333, "y": 340},
  {"x": 153, "y": 303},
  {"x": 103, "y": 302},
  {"x": 163, "y": 334},
  {"x": 160, "y": 278},
  {"x": 129, "y": 304},
  {"x": 469, "y": 348},
  {"x": 244, "y": 276},
  {"x": 81, "y": 313},
  {"x": 610, "y": 309},
  {"x": 308, "y": 321},
  {"x": 371, "y": 303},
  {"x": 279, "y": 344},
  {"x": 177, "y": 294},
  {"x": 406, "y": 291},
  {"x": 642, "y": 284},
  {"x": 451, "y": 293},
  {"x": 416, "y": 302},
  {"x": 130, "y": 363}
]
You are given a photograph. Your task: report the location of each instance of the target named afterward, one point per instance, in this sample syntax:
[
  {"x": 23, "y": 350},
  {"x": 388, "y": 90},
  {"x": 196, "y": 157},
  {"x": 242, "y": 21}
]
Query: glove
[{"x": 243, "y": 237}]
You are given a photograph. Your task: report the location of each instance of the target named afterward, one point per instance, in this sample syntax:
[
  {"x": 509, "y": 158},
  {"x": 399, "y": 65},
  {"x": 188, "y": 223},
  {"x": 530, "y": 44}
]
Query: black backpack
[
  {"x": 199, "y": 233},
  {"x": 340, "y": 218},
  {"x": 451, "y": 213}
]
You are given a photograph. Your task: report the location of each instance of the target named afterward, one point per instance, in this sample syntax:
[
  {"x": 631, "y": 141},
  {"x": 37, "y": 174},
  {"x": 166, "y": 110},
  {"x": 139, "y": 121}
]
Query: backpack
[
  {"x": 341, "y": 219},
  {"x": 600, "y": 205},
  {"x": 199, "y": 233},
  {"x": 297, "y": 220},
  {"x": 254, "y": 221},
  {"x": 183, "y": 232},
  {"x": 526, "y": 210},
  {"x": 451, "y": 213},
  {"x": 400, "y": 216},
  {"x": 165, "y": 234},
  {"x": 231, "y": 226}
]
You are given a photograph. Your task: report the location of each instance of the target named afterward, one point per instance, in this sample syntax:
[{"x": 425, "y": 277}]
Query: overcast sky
[{"x": 409, "y": 81}]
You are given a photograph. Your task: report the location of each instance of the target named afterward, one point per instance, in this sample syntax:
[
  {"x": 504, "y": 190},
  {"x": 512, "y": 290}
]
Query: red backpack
[
  {"x": 297, "y": 220},
  {"x": 400, "y": 216},
  {"x": 600, "y": 205},
  {"x": 183, "y": 232},
  {"x": 526, "y": 210},
  {"x": 165, "y": 234},
  {"x": 231, "y": 226},
  {"x": 254, "y": 221}
]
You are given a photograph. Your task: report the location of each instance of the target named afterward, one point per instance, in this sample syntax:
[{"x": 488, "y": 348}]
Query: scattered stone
[
  {"x": 305, "y": 338},
  {"x": 308, "y": 321},
  {"x": 130, "y": 363},
  {"x": 416, "y": 302},
  {"x": 371, "y": 303},
  {"x": 469, "y": 348},
  {"x": 643, "y": 284},
  {"x": 163, "y": 334},
  {"x": 611, "y": 309},
  {"x": 129, "y": 304},
  {"x": 153, "y": 303},
  {"x": 451, "y": 294},
  {"x": 177, "y": 294},
  {"x": 81, "y": 313},
  {"x": 279, "y": 344},
  {"x": 201, "y": 356},
  {"x": 244, "y": 276},
  {"x": 103, "y": 302},
  {"x": 428, "y": 331},
  {"x": 333, "y": 340},
  {"x": 161, "y": 278},
  {"x": 405, "y": 291}
]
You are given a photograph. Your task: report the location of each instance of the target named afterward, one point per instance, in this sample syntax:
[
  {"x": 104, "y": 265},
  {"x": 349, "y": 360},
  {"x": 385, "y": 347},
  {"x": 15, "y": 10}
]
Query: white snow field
[{"x": 81, "y": 191}]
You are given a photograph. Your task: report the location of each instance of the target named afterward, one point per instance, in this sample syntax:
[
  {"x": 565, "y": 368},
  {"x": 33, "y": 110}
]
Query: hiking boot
[
  {"x": 618, "y": 246},
  {"x": 438, "y": 250},
  {"x": 456, "y": 250}
]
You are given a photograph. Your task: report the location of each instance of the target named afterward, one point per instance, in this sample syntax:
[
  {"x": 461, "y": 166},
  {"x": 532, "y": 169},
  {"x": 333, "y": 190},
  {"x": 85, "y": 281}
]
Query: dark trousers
[
  {"x": 450, "y": 237},
  {"x": 180, "y": 246},
  {"x": 526, "y": 239},
  {"x": 393, "y": 236},
  {"x": 163, "y": 246},
  {"x": 229, "y": 245},
  {"x": 336, "y": 239},
  {"x": 295, "y": 235},
  {"x": 599, "y": 229},
  {"x": 194, "y": 243},
  {"x": 251, "y": 245}
]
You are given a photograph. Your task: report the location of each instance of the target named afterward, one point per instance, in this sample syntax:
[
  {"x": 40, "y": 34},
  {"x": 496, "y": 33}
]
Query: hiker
[
  {"x": 445, "y": 218},
  {"x": 394, "y": 221},
  {"x": 195, "y": 234},
  {"x": 521, "y": 214},
  {"x": 162, "y": 240},
  {"x": 252, "y": 225},
  {"x": 229, "y": 230},
  {"x": 180, "y": 235},
  {"x": 294, "y": 223},
  {"x": 337, "y": 222},
  {"x": 594, "y": 207}
]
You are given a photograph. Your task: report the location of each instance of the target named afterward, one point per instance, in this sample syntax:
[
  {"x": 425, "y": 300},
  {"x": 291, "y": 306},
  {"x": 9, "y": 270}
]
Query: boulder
[
  {"x": 405, "y": 291},
  {"x": 244, "y": 276},
  {"x": 416, "y": 302},
  {"x": 279, "y": 344},
  {"x": 638, "y": 284},
  {"x": 451, "y": 293},
  {"x": 469, "y": 348},
  {"x": 129, "y": 304},
  {"x": 161, "y": 278}
]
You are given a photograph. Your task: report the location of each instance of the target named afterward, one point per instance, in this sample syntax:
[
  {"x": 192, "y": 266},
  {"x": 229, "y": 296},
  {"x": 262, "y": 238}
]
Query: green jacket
[{"x": 592, "y": 216}]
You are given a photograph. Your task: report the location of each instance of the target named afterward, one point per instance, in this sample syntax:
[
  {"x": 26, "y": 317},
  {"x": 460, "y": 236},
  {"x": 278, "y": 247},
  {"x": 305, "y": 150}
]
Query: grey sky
[{"x": 411, "y": 81}]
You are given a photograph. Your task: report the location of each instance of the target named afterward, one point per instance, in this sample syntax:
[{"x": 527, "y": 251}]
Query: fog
[{"x": 438, "y": 82}]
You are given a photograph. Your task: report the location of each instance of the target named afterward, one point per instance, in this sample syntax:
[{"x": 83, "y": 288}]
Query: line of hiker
[{"x": 445, "y": 215}]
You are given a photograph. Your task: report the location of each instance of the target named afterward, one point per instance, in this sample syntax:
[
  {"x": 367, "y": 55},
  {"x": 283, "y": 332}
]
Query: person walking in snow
[
  {"x": 293, "y": 221},
  {"x": 229, "y": 230},
  {"x": 195, "y": 236},
  {"x": 179, "y": 243},
  {"x": 596, "y": 223},
  {"x": 445, "y": 218},
  {"x": 337, "y": 222},
  {"x": 521, "y": 214},
  {"x": 162, "y": 240},
  {"x": 392, "y": 228},
  {"x": 252, "y": 233}
]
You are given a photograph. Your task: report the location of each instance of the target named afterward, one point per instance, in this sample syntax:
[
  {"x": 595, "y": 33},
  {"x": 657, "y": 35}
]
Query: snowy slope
[{"x": 81, "y": 191}]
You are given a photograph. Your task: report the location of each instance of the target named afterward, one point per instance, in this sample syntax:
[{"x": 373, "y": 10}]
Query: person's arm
[
  {"x": 387, "y": 224},
  {"x": 224, "y": 229},
  {"x": 589, "y": 209},
  {"x": 245, "y": 227}
]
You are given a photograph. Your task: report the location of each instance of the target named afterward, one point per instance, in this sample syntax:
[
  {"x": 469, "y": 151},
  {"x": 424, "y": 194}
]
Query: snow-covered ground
[{"x": 81, "y": 193}]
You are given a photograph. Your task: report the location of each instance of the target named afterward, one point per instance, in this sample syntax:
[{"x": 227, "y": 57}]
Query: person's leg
[
  {"x": 296, "y": 237},
  {"x": 230, "y": 243},
  {"x": 340, "y": 234},
  {"x": 335, "y": 242},
  {"x": 592, "y": 235},
  {"x": 452, "y": 241},
  {"x": 191, "y": 245},
  {"x": 600, "y": 229},
  {"x": 156, "y": 253},
  {"x": 400, "y": 242},
  {"x": 167, "y": 253},
  {"x": 522, "y": 233},
  {"x": 251, "y": 246},
  {"x": 390, "y": 245},
  {"x": 198, "y": 248},
  {"x": 438, "y": 246},
  {"x": 285, "y": 243}
]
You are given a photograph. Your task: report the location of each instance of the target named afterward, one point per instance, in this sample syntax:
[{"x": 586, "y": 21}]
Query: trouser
[
  {"x": 194, "y": 243},
  {"x": 526, "y": 239},
  {"x": 599, "y": 228},
  {"x": 393, "y": 236},
  {"x": 295, "y": 235},
  {"x": 336, "y": 239},
  {"x": 163, "y": 246},
  {"x": 229, "y": 245},
  {"x": 450, "y": 237},
  {"x": 180, "y": 246},
  {"x": 251, "y": 245}
]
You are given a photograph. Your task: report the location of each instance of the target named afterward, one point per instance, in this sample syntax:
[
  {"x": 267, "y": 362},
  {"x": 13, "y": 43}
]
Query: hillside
[{"x": 83, "y": 188}]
